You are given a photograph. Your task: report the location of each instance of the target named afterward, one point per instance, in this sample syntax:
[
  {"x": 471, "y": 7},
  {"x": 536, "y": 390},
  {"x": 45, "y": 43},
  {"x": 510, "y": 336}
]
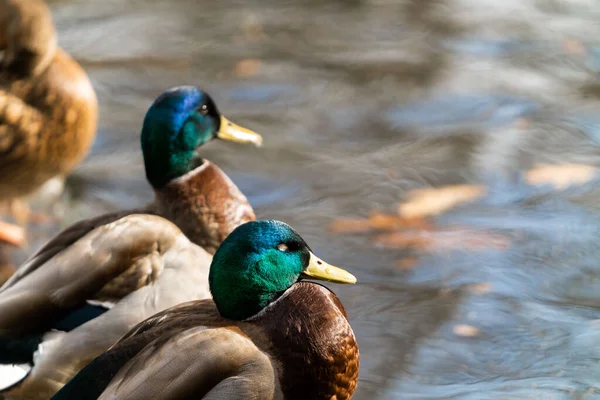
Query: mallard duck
[
  {"x": 48, "y": 108},
  {"x": 94, "y": 281},
  {"x": 266, "y": 334}
]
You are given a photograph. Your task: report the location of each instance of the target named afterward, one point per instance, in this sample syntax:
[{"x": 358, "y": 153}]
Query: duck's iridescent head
[
  {"x": 259, "y": 261},
  {"x": 179, "y": 121}
]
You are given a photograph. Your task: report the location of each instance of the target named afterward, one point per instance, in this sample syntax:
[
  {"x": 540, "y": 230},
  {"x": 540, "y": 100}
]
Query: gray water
[{"x": 359, "y": 102}]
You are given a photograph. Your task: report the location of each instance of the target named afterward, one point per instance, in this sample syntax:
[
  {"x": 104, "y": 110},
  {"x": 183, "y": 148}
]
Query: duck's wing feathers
[
  {"x": 153, "y": 244},
  {"x": 218, "y": 363},
  {"x": 63, "y": 240},
  {"x": 108, "y": 262},
  {"x": 173, "y": 355}
]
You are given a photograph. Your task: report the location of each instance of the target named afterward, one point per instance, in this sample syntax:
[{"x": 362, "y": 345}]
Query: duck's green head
[
  {"x": 259, "y": 261},
  {"x": 180, "y": 121}
]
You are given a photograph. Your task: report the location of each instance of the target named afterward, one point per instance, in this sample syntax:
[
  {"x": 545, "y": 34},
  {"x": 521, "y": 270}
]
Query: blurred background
[{"x": 487, "y": 287}]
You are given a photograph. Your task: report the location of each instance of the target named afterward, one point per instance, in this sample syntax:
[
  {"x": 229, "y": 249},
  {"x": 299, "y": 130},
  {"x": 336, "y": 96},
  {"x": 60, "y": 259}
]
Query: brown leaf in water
[
  {"x": 382, "y": 221},
  {"x": 522, "y": 123},
  {"x": 246, "y": 68},
  {"x": 561, "y": 176},
  {"x": 407, "y": 263},
  {"x": 447, "y": 239},
  {"x": 12, "y": 234},
  {"x": 471, "y": 239},
  {"x": 377, "y": 221},
  {"x": 403, "y": 240},
  {"x": 348, "y": 225},
  {"x": 434, "y": 201},
  {"x": 572, "y": 46},
  {"x": 481, "y": 288},
  {"x": 465, "y": 330}
]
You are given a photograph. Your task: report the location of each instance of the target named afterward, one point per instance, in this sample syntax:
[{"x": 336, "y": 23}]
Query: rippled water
[{"x": 359, "y": 101}]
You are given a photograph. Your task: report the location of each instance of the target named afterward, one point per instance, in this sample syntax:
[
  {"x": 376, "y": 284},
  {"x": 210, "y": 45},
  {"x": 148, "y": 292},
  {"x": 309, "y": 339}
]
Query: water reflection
[{"x": 359, "y": 102}]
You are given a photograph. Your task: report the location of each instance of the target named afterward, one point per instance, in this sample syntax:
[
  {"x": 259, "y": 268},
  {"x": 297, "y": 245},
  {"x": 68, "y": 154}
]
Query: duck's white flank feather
[{"x": 11, "y": 374}]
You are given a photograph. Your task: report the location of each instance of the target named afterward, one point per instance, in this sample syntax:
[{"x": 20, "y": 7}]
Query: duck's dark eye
[
  {"x": 203, "y": 109},
  {"x": 282, "y": 247},
  {"x": 288, "y": 246}
]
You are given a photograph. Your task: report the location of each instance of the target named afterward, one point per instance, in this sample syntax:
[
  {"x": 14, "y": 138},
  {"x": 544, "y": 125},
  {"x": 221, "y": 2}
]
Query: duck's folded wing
[
  {"x": 124, "y": 254},
  {"x": 62, "y": 241},
  {"x": 200, "y": 363}
]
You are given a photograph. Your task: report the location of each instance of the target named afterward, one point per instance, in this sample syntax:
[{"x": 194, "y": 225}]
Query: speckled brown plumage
[
  {"x": 305, "y": 333},
  {"x": 48, "y": 108}
]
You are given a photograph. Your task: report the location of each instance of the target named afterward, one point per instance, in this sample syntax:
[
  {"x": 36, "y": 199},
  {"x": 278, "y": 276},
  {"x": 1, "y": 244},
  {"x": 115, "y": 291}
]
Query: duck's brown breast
[
  {"x": 205, "y": 204},
  {"x": 312, "y": 340}
]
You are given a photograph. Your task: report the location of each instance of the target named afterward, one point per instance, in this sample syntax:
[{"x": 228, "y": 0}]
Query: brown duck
[
  {"x": 48, "y": 108},
  {"x": 94, "y": 281},
  {"x": 266, "y": 335}
]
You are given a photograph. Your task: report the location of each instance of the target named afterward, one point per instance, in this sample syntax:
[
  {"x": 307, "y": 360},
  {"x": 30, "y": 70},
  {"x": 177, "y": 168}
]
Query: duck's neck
[
  {"x": 313, "y": 340},
  {"x": 205, "y": 204}
]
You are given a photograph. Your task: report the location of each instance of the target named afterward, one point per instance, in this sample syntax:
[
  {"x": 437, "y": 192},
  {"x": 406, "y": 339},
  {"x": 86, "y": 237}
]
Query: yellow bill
[
  {"x": 235, "y": 133},
  {"x": 320, "y": 270}
]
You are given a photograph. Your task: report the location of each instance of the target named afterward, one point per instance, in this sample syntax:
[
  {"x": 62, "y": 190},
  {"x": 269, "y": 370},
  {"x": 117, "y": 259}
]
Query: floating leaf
[
  {"x": 403, "y": 240},
  {"x": 561, "y": 176},
  {"x": 522, "y": 123},
  {"x": 434, "y": 201},
  {"x": 481, "y": 288},
  {"x": 572, "y": 46},
  {"x": 12, "y": 234},
  {"x": 407, "y": 263},
  {"x": 377, "y": 221},
  {"x": 347, "y": 225},
  {"x": 471, "y": 239},
  {"x": 465, "y": 330},
  {"x": 447, "y": 239},
  {"x": 246, "y": 68},
  {"x": 382, "y": 221}
]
